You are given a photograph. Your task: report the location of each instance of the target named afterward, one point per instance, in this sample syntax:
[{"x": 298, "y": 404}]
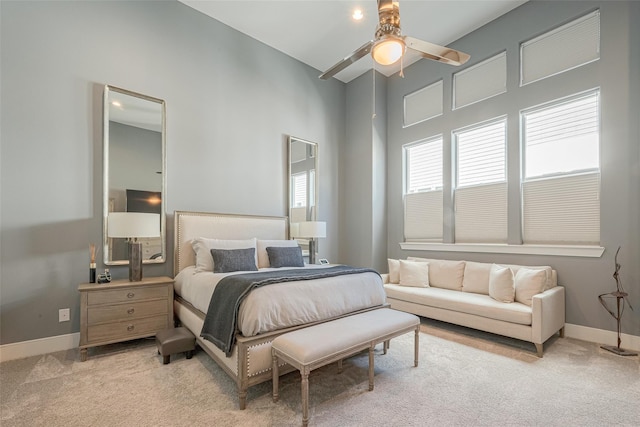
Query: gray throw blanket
[{"x": 222, "y": 316}]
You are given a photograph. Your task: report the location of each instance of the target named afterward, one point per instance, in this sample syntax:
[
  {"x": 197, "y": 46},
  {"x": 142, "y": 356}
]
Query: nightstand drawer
[
  {"x": 123, "y": 330},
  {"x": 127, "y": 294},
  {"x": 120, "y": 312}
]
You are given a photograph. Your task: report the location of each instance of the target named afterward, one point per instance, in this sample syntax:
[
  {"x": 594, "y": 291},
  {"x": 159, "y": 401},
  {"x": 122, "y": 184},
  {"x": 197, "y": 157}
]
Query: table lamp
[
  {"x": 312, "y": 230},
  {"x": 133, "y": 225}
]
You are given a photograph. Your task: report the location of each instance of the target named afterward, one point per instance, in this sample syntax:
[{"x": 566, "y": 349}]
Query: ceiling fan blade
[
  {"x": 435, "y": 52},
  {"x": 359, "y": 53}
]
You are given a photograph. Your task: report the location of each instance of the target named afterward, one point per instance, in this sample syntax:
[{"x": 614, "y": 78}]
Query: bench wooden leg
[
  {"x": 304, "y": 373},
  {"x": 166, "y": 359},
  {"x": 416, "y": 344},
  {"x": 561, "y": 332},
  {"x": 275, "y": 378},
  {"x": 371, "y": 366},
  {"x": 385, "y": 346},
  {"x": 340, "y": 366}
]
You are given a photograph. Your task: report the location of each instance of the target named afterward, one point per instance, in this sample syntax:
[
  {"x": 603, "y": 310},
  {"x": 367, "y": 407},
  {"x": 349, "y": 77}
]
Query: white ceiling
[{"x": 321, "y": 33}]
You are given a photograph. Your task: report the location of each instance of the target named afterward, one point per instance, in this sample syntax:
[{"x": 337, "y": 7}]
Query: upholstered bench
[
  {"x": 175, "y": 340},
  {"x": 309, "y": 348}
]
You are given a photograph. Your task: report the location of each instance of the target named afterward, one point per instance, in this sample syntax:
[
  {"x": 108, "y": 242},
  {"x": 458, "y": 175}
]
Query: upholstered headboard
[{"x": 189, "y": 225}]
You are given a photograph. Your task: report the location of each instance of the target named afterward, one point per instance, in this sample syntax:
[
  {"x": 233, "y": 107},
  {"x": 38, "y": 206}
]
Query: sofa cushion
[
  {"x": 463, "y": 302},
  {"x": 414, "y": 273},
  {"x": 394, "y": 270},
  {"x": 501, "y": 285},
  {"x": 444, "y": 274},
  {"x": 476, "y": 277},
  {"x": 551, "y": 277},
  {"x": 529, "y": 282}
]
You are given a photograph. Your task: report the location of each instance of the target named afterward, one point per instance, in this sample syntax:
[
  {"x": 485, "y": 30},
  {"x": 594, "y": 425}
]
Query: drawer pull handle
[
  {"x": 130, "y": 295},
  {"x": 131, "y": 310},
  {"x": 130, "y": 328}
]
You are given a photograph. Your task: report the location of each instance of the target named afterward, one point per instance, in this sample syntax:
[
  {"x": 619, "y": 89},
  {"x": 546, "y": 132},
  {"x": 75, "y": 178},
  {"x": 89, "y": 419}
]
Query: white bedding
[{"x": 289, "y": 304}]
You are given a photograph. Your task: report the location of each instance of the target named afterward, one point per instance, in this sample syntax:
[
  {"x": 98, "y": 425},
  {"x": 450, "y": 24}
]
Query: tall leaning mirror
[
  {"x": 134, "y": 172},
  {"x": 303, "y": 186}
]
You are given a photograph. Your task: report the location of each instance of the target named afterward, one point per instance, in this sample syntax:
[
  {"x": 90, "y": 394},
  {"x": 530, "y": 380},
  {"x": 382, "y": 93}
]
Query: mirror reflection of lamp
[
  {"x": 133, "y": 225},
  {"x": 312, "y": 230}
]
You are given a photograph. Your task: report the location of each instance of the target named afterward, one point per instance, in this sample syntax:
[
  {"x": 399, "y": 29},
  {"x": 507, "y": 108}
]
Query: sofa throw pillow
[
  {"x": 202, "y": 247},
  {"x": 282, "y": 256},
  {"x": 229, "y": 260},
  {"x": 262, "y": 245},
  {"x": 476, "y": 277},
  {"x": 529, "y": 282},
  {"x": 501, "y": 286},
  {"x": 394, "y": 271},
  {"x": 414, "y": 274},
  {"x": 443, "y": 273}
]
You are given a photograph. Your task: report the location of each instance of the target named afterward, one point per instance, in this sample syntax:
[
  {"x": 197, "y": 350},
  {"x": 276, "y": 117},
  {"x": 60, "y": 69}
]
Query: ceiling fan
[{"x": 390, "y": 45}]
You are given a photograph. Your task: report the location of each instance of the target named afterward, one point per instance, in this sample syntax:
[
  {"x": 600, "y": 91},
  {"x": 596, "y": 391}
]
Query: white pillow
[
  {"x": 501, "y": 286},
  {"x": 415, "y": 274},
  {"x": 394, "y": 270},
  {"x": 476, "y": 277},
  {"x": 529, "y": 282},
  {"x": 262, "y": 245},
  {"x": 202, "y": 247}
]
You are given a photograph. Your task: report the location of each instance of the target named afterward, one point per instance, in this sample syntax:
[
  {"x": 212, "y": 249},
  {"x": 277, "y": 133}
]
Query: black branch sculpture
[{"x": 621, "y": 298}]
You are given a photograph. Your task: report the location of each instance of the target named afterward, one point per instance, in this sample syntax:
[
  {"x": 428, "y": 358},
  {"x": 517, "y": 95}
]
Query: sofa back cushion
[
  {"x": 414, "y": 274},
  {"x": 444, "y": 274},
  {"x": 529, "y": 282},
  {"x": 551, "y": 278},
  {"x": 476, "y": 277}
]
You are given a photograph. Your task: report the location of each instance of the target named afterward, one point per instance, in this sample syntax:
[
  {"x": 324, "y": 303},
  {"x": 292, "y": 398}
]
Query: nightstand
[{"x": 122, "y": 310}]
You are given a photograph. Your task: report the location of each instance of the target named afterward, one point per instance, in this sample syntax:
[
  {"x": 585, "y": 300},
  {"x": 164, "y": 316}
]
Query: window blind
[
  {"x": 481, "y": 189},
  {"x": 424, "y": 166},
  {"x": 563, "y": 210},
  {"x": 423, "y": 104},
  {"x": 299, "y": 189},
  {"x": 482, "y": 81},
  {"x": 564, "y": 48},
  {"x": 423, "y": 216}
]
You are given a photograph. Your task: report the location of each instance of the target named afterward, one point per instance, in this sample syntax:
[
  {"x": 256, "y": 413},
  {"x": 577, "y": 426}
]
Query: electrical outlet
[{"x": 63, "y": 315}]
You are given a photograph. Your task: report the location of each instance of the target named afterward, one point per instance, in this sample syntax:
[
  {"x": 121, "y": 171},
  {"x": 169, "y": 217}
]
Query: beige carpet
[{"x": 465, "y": 378}]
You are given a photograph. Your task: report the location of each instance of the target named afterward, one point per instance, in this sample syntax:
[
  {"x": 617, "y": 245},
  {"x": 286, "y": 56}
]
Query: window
[
  {"x": 299, "y": 185},
  {"x": 561, "y": 176},
  {"x": 480, "y": 82},
  {"x": 423, "y": 190},
  {"x": 423, "y": 104},
  {"x": 481, "y": 186},
  {"x": 569, "y": 46}
]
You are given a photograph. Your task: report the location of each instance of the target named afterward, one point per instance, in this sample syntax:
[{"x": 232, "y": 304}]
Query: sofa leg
[
  {"x": 539, "y": 349},
  {"x": 562, "y": 332}
]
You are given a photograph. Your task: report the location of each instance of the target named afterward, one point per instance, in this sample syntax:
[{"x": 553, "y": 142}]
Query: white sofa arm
[
  {"x": 385, "y": 278},
  {"x": 548, "y": 314}
]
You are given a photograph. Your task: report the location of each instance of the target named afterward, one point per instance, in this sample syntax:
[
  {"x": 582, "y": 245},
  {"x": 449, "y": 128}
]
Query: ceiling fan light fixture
[{"x": 388, "y": 50}]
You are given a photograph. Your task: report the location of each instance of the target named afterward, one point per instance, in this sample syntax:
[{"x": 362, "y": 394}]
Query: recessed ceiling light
[{"x": 357, "y": 14}]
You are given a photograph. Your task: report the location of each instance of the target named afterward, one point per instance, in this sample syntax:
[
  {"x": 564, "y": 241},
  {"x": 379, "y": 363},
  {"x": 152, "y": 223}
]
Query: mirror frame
[
  {"x": 105, "y": 177},
  {"x": 316, "y": 186}
]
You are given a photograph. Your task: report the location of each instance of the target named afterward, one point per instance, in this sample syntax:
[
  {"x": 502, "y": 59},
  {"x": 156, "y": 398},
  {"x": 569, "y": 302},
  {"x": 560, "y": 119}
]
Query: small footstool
[{"x": 175, "y": 340}]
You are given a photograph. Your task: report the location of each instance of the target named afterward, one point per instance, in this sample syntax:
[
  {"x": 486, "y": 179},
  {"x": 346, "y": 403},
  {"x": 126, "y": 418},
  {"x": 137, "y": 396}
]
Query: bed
[{"x": 249, "y": 360}]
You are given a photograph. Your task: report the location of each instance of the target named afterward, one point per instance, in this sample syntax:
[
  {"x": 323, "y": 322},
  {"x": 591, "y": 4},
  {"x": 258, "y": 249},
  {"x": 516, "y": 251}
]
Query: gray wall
[
  {"x": 231, "y": 102},
  {"x": 617, "y": 74}
]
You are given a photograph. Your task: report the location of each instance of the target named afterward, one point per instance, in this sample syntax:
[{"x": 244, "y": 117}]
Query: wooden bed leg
[
  {"x": 304, "y": 373},
  {"x": 371, "y": 361},
  {"x": 416, "y": 344},
  {"x": 275, "y": 378},
  {"x": 340, "y": 366},
  {"x": 242, "y": 399}
]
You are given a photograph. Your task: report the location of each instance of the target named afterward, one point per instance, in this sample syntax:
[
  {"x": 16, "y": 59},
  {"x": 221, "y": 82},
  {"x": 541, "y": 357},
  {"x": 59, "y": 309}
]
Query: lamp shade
[
  {"x": 294, "y": 230},
  {"x": 312, "y": 229},
  {"x": 388, "y": 50},
  {"x": 133, "y": 224}
]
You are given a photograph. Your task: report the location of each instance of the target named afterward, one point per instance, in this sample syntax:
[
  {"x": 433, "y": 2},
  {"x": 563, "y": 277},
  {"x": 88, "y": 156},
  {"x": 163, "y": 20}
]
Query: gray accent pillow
[
  {"x": 280, "y": 256},
  {"x": 228, "y": 260}
]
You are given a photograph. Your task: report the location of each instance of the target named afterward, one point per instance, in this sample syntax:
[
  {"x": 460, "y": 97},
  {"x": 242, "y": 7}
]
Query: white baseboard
[
  {"x": 19, "y": 350},
  {"x": 600, "y": 336},
  {"x": 40, "y": 346}
]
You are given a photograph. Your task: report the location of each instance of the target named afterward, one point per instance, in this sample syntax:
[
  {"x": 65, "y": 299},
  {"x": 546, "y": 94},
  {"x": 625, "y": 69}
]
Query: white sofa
[{"x": 473, "y": 294}]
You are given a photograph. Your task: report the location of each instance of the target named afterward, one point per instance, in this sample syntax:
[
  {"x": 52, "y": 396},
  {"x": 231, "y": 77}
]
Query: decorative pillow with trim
[
  {"x": 282, "y": 256},
  {"x": 229, "y": 260}
]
